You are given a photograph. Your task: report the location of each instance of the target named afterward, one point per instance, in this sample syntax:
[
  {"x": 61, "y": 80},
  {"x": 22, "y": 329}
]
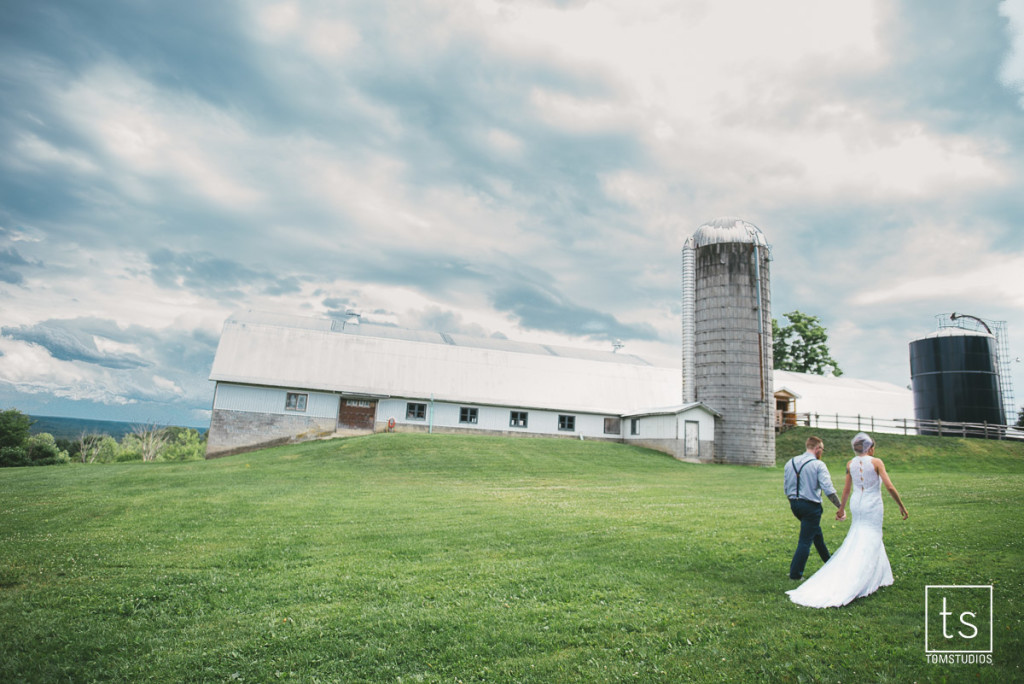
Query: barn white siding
[
  {"x": 659, "y": 427},
  {"x": 273, "y": 400},
  {"x": 444, "y": 416}
]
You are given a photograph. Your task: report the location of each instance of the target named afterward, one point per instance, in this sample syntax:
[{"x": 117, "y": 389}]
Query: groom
[{"x": 803, "y": 476}]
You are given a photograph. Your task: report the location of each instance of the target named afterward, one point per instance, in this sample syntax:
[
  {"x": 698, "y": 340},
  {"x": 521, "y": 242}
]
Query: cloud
[
  {"x": 67, "y": 344},
  {"x": 96, "y": 360},
  {"x": 216, "y": 276},
  {"x": 998, "y": 278},
  {"x": 9, "y": 260},
  {"x": 1012, "y": 71},
  {"x": 542, "y": 309},
  {"x": 435, "y": 318},
  {"x": 527, "y": 168}
]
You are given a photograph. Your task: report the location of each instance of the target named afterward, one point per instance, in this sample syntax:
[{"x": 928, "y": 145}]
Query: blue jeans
[{"x": 809, "y": 515}]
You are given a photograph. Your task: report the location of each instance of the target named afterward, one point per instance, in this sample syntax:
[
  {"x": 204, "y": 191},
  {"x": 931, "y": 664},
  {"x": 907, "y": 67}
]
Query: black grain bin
[{"x": 956, "y": 378}]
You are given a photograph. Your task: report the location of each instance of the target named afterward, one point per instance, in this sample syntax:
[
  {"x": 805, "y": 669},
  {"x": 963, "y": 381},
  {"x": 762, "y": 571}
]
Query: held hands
[{"x": 840, "y": 514}]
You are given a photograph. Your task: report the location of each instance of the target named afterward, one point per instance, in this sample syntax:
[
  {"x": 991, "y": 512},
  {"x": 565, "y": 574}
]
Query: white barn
[
  {"x": 283, "y": 379},
  {"x": 821, "y": 398}
]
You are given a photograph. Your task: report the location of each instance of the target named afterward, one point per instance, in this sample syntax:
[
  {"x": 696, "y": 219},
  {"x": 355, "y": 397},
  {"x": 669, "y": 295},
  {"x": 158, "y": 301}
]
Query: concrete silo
[{"x": 727, "y": 337}]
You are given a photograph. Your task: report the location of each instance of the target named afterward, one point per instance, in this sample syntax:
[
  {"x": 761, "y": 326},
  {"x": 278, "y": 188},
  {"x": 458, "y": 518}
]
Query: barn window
[
  {"x": 467, "y": 414},
  {"x": 567, "y": 423},
  {"x": 294, "y": 401},
  {"x": 414, "y": 411},
  {"x": 612, "y": 426},
  {"x": 634, "y": 426},
  {"x": 517, "y": 419}
]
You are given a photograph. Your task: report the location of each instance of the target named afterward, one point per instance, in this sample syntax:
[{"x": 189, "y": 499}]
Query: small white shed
[{"x": 686, "y": 432}]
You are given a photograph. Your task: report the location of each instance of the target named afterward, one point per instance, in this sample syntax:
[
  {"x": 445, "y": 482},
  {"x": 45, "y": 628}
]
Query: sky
[{"x": 527, "y": 169}]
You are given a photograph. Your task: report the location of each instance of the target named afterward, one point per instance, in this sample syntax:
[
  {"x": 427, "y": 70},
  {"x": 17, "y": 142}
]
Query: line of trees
[{"x": 18, "y": 447}]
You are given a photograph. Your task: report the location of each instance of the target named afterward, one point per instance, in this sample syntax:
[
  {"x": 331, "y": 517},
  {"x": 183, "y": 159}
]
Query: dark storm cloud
[
  {"x": 68, "y": 343},
  {"x": 430, "y": 271},
  {"x": 215, "y": 276},
  {"x": 194, "y": 45},
  {"x": 338, "y": 307},
  {"x": 72, "y": 340},
  {"x": 946, "y": 58},
  {"x": 166, "y": 378},
  {"x": 440, "y": 100},
  {"x": 10, "y": 259},
  {"x": 450, "y": 100},
  {"x": 542, "y": 309}
]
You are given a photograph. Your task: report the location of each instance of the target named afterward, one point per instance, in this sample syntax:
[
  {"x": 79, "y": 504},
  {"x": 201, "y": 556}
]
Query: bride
[{"x": 860, "y": 566}]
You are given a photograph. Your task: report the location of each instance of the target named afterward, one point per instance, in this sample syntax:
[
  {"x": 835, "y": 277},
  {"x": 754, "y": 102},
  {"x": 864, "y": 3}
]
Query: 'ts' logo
[{"x": 958, "y": 619}]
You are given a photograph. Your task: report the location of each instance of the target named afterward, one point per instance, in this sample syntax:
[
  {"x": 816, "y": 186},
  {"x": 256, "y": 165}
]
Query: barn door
[
  {"x": 692, "y": 437},
  {"x": 357, "y": 414}
]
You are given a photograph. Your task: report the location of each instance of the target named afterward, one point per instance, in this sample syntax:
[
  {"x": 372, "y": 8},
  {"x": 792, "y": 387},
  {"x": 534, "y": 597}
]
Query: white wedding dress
[{"x": 860, "y": 566}]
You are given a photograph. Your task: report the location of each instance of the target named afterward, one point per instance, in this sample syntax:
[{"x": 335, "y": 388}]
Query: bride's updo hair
[{"x": 862, "y": 442}]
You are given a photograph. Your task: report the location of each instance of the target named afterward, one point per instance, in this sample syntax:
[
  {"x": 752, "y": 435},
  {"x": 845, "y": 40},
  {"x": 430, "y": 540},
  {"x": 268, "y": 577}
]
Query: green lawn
[{"x": 409, "y": 558}]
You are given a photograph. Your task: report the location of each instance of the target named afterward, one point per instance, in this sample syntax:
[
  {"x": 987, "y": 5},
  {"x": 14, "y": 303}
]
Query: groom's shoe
[{"x": 797, "y": 579}]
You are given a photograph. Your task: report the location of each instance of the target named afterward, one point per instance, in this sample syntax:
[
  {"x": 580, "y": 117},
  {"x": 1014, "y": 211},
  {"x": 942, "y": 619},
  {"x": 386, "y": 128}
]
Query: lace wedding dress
[{"x": 860, "y": 566}]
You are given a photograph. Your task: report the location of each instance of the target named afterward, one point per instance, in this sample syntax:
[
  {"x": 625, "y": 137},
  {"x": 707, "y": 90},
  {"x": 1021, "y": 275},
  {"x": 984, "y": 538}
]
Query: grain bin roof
[
  {"x": 728, "y": 229},
  {"x": 328, "y": 355},
  {"x": 953, "y": 331}
]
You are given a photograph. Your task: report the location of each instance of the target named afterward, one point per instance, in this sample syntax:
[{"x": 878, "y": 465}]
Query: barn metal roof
[
  {"x": 829, "y": 395},
  {"x": 675, "y": 410},
  {"x": 337, "y": 356}
]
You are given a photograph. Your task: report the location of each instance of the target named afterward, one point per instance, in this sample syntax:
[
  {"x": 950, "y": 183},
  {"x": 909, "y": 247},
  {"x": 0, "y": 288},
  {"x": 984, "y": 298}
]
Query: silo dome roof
[
  {"x": 954, "y": 331},
  {"x": 728, "y": 229}
]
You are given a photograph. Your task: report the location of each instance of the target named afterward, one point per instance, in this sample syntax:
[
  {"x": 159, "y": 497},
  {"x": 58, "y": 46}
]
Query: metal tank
[
  {"x": 955, "y": 378},
  {"x": 727, "y": 342}
]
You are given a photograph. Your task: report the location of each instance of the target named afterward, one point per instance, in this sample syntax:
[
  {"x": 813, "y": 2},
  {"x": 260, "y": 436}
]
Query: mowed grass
[{"x": 428, "y": 558}]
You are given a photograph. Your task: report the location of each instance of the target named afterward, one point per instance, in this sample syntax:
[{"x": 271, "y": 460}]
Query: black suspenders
[{"x": 798, "y": 474}]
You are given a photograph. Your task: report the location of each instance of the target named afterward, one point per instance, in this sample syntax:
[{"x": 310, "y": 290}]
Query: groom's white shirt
[{"x": 813, "y": 477}]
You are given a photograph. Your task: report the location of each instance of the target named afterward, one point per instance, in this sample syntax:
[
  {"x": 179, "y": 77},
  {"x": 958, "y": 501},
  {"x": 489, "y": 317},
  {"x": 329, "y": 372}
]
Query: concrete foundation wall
[
  {"x": 676, "y": 448},
  {"x": 233, "y": 432},
  {"x": 381, "y": 426}
]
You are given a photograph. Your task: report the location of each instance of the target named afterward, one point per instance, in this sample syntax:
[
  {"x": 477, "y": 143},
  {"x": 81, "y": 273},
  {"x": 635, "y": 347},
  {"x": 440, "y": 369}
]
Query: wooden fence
[{"x": 905, "y": 426}]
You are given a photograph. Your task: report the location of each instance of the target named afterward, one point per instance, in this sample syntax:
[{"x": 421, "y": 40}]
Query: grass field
[{"x": 423, "y": 558}]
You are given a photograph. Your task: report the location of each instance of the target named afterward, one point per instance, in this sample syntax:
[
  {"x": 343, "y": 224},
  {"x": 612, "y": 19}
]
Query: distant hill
[{"x": 71, "y": 428}]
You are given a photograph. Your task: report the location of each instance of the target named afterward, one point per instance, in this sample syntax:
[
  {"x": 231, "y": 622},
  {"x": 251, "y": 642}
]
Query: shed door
[
  {"x": 357, "y": 414},
  {"x": 692, "y": 436}
]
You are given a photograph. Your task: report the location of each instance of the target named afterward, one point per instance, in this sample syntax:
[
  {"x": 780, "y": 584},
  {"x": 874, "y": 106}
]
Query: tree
[
  {"x": 802, "y": 345},
  {"x": 183, "y": 444},
  {"x": 14, "y": 428},
  {"x": 13, "y": 457},
  {"x": 42, "y": 449},
  {"x": 37, "y": 450},
  {"x": 149, "y": 440},
  {"x": 87, "y": 447},
  {"x": 1020, "y": 418},
  {"x": 108, "y": 450}
]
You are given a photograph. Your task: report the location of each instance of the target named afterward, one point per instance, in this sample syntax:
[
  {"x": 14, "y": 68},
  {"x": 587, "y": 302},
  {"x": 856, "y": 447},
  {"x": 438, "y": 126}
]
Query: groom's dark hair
[{"x": 813, "y": 443}]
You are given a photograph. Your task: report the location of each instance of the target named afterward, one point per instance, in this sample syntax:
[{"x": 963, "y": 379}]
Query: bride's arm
[
  {"x": 847, "y": 486},
  {"x": 880, "y": 467}
]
